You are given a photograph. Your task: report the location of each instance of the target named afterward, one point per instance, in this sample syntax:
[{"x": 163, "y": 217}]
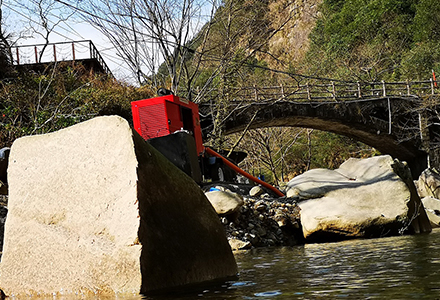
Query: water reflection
[
  {"x": 399, "y": 267},
  {"x": 405, "y": 267}
]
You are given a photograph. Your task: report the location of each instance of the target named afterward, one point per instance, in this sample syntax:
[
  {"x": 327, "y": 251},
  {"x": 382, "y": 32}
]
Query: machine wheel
[{"x": 217, "y": 173}]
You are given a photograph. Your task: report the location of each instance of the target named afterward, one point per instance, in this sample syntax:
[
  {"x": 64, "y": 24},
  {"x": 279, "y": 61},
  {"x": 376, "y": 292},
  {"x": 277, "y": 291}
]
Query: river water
[{"x": 404, "y": 267}]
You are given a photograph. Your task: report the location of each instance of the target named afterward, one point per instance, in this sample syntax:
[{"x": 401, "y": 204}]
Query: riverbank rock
[
  {"x": 4, "y": 155},
  {"x": 428, "y": 184},
  {"x": 260, "y": 222},
  {"x": 370, "y": 197},
  {"x": 3, "y": 213},
  {"x": 432, "y": 208},
  {"x": 94, "y": 209},
  {"x": 256, "y": 191},
  {"x": 224, "y": 203}
]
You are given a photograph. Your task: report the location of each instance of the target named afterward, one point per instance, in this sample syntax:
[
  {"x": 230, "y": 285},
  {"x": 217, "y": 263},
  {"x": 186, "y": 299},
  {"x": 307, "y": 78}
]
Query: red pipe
[{"x": 245, "y": 174}]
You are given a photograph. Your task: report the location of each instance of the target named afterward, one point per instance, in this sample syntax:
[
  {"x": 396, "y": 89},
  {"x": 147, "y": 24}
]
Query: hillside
[
  {"x": 290, "y": 45},
  {"x": 366, "y": 40}
]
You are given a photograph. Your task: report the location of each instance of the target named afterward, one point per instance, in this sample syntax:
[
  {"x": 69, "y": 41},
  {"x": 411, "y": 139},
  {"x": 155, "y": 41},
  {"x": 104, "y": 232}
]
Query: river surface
[{"x": 404, "y": 267}]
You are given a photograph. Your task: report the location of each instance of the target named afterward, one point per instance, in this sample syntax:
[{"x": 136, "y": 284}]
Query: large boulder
[
  {"x": 94, "y": 209},
  {"x": 428, "y": 184},
  {"x": 371, "y": 197},
  {"x": 432, "y": 208}
]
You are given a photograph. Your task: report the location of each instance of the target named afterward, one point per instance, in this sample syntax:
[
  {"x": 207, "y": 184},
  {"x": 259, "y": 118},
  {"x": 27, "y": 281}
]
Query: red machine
[
  {"x": 164, "y": 115},
  {"x": 172, "y": 126}
]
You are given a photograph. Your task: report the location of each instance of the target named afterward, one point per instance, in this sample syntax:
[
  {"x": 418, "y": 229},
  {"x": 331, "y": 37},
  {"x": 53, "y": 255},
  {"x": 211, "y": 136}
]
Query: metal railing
[
  {"x": 55, "y": 52},
  {"x": 335, "y": 91}
]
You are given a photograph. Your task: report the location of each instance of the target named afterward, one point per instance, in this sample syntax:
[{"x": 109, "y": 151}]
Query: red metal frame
[{"x": 165, "y": 115}]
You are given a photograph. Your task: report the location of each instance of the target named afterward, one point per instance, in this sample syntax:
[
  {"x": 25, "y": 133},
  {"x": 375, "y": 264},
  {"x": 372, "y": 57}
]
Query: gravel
[{"x": 262, "y": 221}]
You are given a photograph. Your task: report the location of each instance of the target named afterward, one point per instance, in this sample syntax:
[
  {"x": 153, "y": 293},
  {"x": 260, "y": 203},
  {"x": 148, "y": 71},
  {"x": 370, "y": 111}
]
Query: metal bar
[
  {"x": 49, "y": 44},
  {"x": 389, "y": 116}
]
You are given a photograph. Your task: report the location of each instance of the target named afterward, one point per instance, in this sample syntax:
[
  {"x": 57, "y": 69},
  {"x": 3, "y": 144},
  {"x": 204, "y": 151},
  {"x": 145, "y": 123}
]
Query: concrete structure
[{"x": 392, "y": 125}]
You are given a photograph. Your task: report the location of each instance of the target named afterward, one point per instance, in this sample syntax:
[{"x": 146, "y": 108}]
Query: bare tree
[
  {"x": 147, "y": 33},
  {"x": 5, "y": 54},
  {"x": 40, "y": 19},
  {"x": 269, "y": 150}
]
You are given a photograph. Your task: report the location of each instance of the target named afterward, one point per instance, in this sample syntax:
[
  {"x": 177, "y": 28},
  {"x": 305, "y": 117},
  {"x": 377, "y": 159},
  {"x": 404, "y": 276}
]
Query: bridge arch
[{"x": 391, "y": 125}]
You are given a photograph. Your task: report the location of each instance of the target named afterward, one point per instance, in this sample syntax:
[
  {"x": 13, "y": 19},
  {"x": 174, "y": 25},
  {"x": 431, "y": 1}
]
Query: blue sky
[
  {"x": 24, "y": 25},
  {"x": 18, "y": 23}
]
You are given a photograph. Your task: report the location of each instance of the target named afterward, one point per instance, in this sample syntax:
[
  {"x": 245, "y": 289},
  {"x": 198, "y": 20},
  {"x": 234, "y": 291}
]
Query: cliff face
[{"x": 296, "y": 18}]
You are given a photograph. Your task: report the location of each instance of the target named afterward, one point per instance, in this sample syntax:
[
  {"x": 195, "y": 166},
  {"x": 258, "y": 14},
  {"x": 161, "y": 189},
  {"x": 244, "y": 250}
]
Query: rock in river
[
  {"x": 370, "y": 197},
  {"x": 94, "y": 209},
  {"x": 428, "y": 184},
  {"x": 224, "y": 202}
]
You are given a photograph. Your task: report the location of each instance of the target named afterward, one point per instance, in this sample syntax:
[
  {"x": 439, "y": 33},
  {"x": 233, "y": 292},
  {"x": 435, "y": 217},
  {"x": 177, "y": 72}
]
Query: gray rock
[
  {"x": 262, "y": 228},
  {"x": 428, "y": 184},
  {"x": 224, "y": 203},
  {"x": 3, "y": 188},
  {"x": 256, "y": 191},
  {"x": 4, "y": 155},
  {"x": 432, "y": 207},
  {"x": 93, "y": 209},
  {"x": 237, "y": 244},
  {"x": 363, "y": 198}
]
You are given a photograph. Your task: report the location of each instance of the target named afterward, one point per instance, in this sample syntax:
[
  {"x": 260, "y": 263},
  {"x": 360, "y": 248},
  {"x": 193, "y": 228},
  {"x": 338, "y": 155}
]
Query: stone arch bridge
[{"x": 397, "y": 119}]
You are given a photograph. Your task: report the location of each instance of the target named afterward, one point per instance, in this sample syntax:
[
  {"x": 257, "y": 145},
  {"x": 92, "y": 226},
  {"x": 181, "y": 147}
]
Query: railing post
[
  {"x": 18, "y": 56},
  {"x": 73, "y": 51},
  {"x": 333, "y": 90},
  {"x": 36, "y": 54},
  {"x": 309, "y": 97},
  {"x": 255, "y": 93},
  {"x": 384, "y": 89},
  {"x": 408, "y": 87},
  {"x": 359, "y": 90},
  {"x": 389, "y": 116},
  {"x": 54, "y": 53}
]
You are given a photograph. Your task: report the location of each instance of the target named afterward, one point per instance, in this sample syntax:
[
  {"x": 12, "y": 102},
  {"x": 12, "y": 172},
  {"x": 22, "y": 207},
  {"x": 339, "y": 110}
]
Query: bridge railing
[{"x": 336, "y": 91}]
